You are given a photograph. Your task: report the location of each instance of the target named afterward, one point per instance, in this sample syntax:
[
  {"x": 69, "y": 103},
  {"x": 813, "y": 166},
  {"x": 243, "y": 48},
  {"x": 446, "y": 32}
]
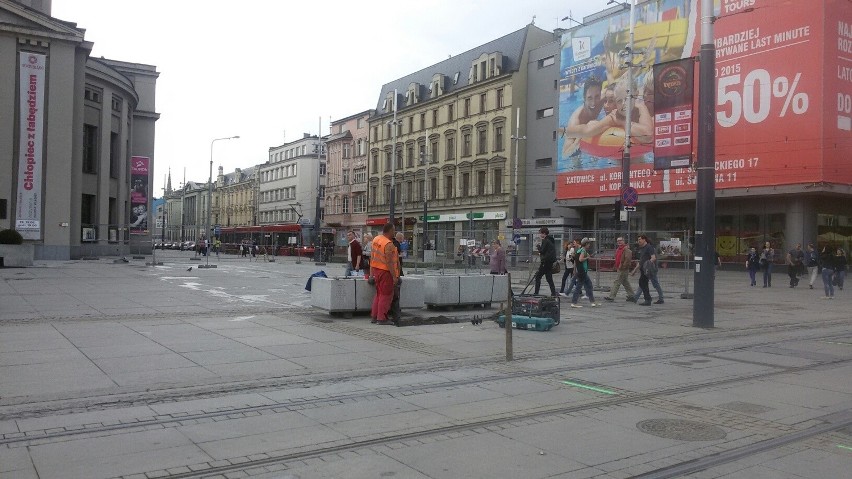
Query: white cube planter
[
  {"x": 460, "y": 290},
  {"x": 350, "y": 295}
]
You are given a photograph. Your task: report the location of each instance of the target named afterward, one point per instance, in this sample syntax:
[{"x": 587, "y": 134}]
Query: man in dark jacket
[
  {"x": 547, "y": 252},
  {"x": 353, "y": 253}
]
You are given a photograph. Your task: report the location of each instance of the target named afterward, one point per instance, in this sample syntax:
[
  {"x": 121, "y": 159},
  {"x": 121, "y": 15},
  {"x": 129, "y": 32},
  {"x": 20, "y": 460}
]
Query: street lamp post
[
  {"x": 393, "y": 161},
  {"x": 210, "y": 203},
  {"x": 515, "y": 220}
]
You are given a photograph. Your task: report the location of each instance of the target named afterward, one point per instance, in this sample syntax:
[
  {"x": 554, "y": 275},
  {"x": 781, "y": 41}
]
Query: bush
[{"x": 10, "y": 237}]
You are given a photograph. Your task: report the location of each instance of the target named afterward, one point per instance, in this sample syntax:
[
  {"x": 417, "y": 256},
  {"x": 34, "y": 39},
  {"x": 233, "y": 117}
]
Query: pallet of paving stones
[{"x": 530, "y": 323}]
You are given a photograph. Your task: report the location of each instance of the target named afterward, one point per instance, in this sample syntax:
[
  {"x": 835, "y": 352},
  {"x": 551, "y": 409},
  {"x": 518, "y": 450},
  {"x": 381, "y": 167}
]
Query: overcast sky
[{"x": 268, "y": 70}]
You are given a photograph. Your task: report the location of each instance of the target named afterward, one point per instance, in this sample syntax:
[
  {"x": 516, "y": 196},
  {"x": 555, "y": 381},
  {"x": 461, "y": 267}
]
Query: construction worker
[{"x": 384, "y": 269}]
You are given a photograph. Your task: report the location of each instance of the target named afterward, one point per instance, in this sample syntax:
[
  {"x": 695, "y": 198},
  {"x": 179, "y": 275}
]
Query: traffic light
[{"x": 616, "y": 212}]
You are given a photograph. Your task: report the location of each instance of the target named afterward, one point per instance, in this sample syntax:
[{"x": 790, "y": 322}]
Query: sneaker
[
  {"x": 563, "y": 294},
  {"x": 608, "y": 298},
  {"x": 373, "y": 320},
  {"x": 645, "y": 303},
  {"x": 826, "y": 297},
  {"x": 383, "y": 322},
  {"x": 575, "y": 305},
  {"x": 812, "y": 286},
  {"x": 594, "y": 305},
  {"x": 659, "y": 301}
]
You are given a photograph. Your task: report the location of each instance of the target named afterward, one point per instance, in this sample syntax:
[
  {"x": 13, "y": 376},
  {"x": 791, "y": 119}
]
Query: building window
[
  {"x": 498, "y": 138},
  {"x": 456, "y": 78},
  {"x": 483, "y": 103},
  {"x": 360, "y": 204},
  {"x": 375, "y": 162},
  {"x": 421, "y": 189},
  {"x": 114, "y": 155},
  {"x": 410, "y": 124},
  {"x": 541, "y": 213},
  {"x": 409, "y": 160},
  {"x": 465, "y": 185},
  {"x": 449, "y": 187},
  {"x": 433, "y": 188},
  {"x": 375, "y": 133},
  {"x": 388, "y": 160},
  {"x": 500, "y": 98},
  {"x": 322, "y": 169},
  {"x": 497, "y": 183},
  {"x": 116, "y": 103},
  {"x": 344, "y": 177},
  {"x": 92, "y": 95},
  {"x": 87, "y": 209},
  {"x": 387, "y": 198},
  {"x": 409, "y": 191},
  {"x": 451, "y": 112},
  {"x": 347, "y": 150},
  {"x": 451, "y": 148},
  {"x": 480, "y": 183},
  {"x": 435, "y": 117},
  {"x": 482, "y": 142},
  {"x": 466, "y": 144},
  {"x": 466, "y": 107},
  {"x": 399, "y": 159},
  {"x": 360, "y": 175},
  {"x": 546, "y": 62},
  {"x": 359, "y": 123},
  {"x": 544, "y": 163},
  {"x": 345, "y": 205},
  {"x": 373, "y": 193},
  {"x": 433, "y": 152},
  {"x": 90, "y": 149},
  {"x": 544, "y": 113}
]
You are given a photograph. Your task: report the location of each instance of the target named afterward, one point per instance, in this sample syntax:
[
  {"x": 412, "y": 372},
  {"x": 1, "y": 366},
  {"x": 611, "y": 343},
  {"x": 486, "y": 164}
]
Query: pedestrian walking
[
  {"x": 366, "y": 250},
  {"x": 812, "y": 263},
  {"x": 840, "y": 266},
  {"x": 767, "y": 255},
  {"x": 623, "y": 261},
  {"x": 826, "y": 260},
  {"x": 752, "y": 264},
  {"x": 568, "y": 258},
  {"x": 795, "y": 263},
  {"x": 581, "y": 272},
  {"x": 547, "y": 254},
  {"x": 497, "y": 258},
  {"x": 353, "y": 253},
  {"x": 647, "y": 261},
  {"x": 395, "y": 309}
]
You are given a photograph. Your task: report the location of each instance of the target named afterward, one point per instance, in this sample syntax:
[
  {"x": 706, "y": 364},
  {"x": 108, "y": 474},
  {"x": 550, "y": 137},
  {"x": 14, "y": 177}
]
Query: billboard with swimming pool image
[{"x": 768, "y": 114}]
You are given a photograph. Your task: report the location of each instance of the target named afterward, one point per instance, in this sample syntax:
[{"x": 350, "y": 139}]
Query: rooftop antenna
[
  {"x": 533, "y": 20},
  {"x": 569, "y": 17}
]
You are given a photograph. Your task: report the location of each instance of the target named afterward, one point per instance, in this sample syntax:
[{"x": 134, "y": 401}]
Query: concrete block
[
  {"x": 500, "y": 291},
  {"x": 411, "y": 293},
  {"x": 441, "y": 290},
  {"x": 333, "y": 294},
  {"x": 475, "y": 289},
  {"x": 17, "y": 255}
]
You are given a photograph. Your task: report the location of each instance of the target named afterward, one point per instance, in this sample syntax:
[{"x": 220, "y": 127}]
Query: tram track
[
  {"x": 401, "y": 391},
  {"x": 27, "y": 407},
  {"x": 839, "y": 421}
]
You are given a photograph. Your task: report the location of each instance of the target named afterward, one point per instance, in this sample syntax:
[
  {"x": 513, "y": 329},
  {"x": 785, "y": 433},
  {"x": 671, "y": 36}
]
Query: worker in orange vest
[{"x": 384, "y": 268}]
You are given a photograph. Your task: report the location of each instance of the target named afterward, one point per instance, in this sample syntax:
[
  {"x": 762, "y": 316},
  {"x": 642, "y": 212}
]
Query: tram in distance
[{"x": 278, "y": 240}]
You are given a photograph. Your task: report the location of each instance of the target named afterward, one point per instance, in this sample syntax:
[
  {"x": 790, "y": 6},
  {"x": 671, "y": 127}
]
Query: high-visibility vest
[{"x": 379, "y": 259}]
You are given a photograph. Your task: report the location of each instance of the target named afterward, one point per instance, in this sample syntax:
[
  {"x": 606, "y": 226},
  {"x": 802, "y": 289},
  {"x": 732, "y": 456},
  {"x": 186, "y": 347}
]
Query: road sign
[
  {"x": 629, "y": 196},
  {"x": 629, "y": 208}
]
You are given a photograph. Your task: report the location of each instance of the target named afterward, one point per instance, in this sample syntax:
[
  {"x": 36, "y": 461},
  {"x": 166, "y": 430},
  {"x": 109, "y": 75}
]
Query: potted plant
[{"x": 13, "y": 251}]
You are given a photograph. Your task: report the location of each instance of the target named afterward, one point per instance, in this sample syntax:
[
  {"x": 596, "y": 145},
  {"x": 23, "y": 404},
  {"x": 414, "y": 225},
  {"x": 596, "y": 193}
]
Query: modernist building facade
[
  {"x": 292, "y": 186},
  {"x": 346, "y": 188},
  {"x": 783, "y": 145},
  {"x": 441, "y": 136},
  {"x": 73, "y": 124}
]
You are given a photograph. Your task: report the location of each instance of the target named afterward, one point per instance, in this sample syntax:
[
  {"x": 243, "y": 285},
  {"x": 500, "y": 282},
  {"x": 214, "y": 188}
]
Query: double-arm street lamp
[{"x": 209, "y": 236}]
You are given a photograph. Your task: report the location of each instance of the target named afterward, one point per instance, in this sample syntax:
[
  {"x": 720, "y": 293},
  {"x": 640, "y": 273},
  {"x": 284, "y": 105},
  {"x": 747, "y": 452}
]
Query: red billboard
[
  {"x": 837, "y": 92},
  {"x": 771, "y": 126}
]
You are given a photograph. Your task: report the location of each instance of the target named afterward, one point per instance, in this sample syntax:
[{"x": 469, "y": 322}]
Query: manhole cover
[
  {"x": 681, "y": 430},
  {"x": 745, "y": 407}
]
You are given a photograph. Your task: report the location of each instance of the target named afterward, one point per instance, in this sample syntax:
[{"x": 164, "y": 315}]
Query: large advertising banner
[
  {"x": 139, "y": 194},
  {"x": 30, "y": 161},
  {"x": 767, "y": 76},
  {"x": 838, "y": 92}
]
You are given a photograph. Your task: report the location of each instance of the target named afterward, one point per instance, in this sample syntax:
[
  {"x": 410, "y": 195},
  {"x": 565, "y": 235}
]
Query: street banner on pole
[{"x": 673, "y": 108}]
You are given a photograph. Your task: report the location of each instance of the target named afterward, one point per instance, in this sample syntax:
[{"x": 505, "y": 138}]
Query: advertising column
[
  {"x": 31, "y": 127},
  {"x": 139, "y": 195}
]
